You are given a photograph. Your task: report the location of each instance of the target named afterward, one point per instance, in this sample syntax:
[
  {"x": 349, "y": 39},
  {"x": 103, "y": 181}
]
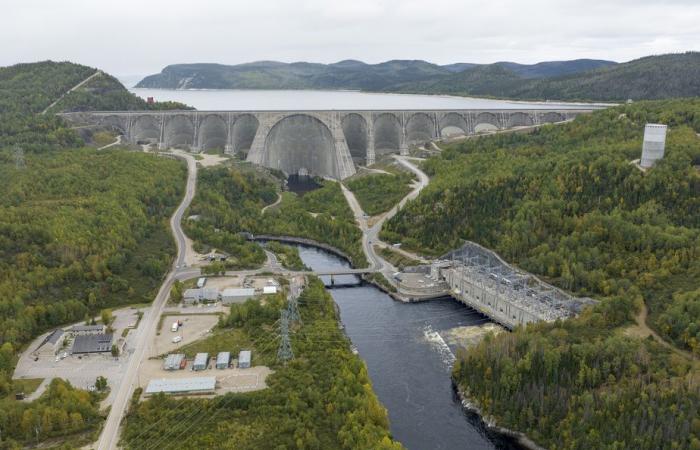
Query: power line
[{"x": 284, "y": 353}]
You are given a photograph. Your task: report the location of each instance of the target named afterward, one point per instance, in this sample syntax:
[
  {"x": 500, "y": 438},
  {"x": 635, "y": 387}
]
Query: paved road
[
  {"x": 370, "y": 235},
  {"x": 147, "y": 328}
]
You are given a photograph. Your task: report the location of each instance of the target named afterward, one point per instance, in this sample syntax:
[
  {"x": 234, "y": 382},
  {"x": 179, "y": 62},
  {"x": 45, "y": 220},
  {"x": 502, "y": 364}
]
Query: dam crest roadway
[{"x": 322, "y": 143}]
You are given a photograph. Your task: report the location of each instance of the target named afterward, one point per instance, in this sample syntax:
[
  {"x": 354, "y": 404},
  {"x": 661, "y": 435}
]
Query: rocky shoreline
[{"x": 509, "y": 438}]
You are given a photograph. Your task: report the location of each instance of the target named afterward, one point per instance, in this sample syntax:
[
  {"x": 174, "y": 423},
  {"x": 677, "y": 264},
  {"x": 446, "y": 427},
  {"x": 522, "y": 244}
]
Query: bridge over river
[{"x": 322, "y": 143}]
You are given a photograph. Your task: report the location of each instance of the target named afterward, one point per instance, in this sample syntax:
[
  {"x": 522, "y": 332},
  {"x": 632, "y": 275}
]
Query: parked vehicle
[{"x": 177, "y": 339}]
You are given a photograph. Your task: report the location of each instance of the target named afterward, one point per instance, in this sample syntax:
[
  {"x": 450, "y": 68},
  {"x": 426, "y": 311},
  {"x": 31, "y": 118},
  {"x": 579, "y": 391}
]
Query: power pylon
[
  {"x": 293, "y": 310},
  {"x": 284, "y": 353}
]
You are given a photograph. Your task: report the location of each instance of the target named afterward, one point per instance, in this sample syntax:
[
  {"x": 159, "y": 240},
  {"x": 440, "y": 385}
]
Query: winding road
[
  {"x": 370, "y": 234},
  {"x": 147, "y": 329}
]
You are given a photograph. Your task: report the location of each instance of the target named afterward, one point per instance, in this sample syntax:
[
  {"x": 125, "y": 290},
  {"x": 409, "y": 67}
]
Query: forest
[
  {"x": 322, "y": 399},
  {"x": 79, "y": 231},
  {"x": 378, "y": 193},
  {"x": 565, "y": 203},
  {"x": 229, "y": 201}
]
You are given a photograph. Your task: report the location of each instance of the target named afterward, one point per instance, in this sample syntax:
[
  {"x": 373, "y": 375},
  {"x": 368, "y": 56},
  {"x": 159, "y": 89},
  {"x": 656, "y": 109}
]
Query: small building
[
  {"x": 236, "y": 295},
  {"x": 201, "y": 282},
  {"x": 244, "y": 359},
  {"x": 174, "y": 361},
  {"x": 201, "y": 361},
  {"x": 267, "y": 290},
  {"x": 51, "y": 344},
  {"x": 78, "y": 330},
  {"x": 200, "y": 295},
  {"x": 92, "y": 343},
  {"x": 223, "y": 359},
  {"x": 197, "y": 385}
]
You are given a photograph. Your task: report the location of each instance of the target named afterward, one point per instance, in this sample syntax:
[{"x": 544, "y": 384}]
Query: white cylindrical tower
[{"x": 654, "y": 144}]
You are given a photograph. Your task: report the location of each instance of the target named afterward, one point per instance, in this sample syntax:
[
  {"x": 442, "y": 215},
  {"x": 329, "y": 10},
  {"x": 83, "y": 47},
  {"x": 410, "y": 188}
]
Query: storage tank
[{"x": 654, "y": 144}]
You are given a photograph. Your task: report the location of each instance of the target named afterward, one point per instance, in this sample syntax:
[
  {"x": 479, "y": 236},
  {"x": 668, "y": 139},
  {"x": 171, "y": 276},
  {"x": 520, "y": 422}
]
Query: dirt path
[
  {"x": 642, "y": 330},
  {"x": 272, "y": 205},
  {"x": 99, "y": 72}
]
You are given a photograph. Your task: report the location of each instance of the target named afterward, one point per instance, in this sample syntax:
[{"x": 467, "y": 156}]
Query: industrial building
[
  {"x": 479, "y": 278},
  {"x": 200, "y": 295},
  {"x": 51, "y": 344},
  {"x": 269, "y": 290},
  {"x": 244, "y": 359},
  {"x": 175, "y": 361},
  {"x": 654, "y": 144},
  {"x": 201, "y": 361},
  {"x": 223, "y": 359},
  {"x": 236, "y": 295},
  {"x": 198, "y": 385},
  {"x": 92, "y": 343}
]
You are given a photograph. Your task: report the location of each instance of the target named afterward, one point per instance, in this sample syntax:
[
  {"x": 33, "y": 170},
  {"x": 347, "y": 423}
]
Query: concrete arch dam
[{"x": 323, "y": 143}]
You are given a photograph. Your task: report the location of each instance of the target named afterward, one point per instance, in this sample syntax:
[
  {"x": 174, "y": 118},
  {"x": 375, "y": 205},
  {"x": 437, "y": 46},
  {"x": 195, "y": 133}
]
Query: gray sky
[{"x": 127, "y": 37}]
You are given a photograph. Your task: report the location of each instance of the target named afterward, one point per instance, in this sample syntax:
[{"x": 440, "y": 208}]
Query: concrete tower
[{"x": 654, "y": 144}]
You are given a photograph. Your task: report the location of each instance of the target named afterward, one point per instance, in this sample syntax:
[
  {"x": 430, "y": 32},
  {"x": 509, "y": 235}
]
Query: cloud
[{"x": 139, "y": 37}]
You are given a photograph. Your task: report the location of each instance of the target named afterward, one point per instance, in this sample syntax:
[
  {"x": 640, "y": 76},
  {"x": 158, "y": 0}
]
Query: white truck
[{"x": 175, "y": 327}]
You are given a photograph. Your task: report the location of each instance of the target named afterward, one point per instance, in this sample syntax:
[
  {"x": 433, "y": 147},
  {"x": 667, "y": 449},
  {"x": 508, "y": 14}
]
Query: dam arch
[
  {"x": 243, "y": 132},
  {"x": 146, "y": 128},
  {"x": 178, "y": 131},
  {"x": 387, "y": 133},
  {"x": 213, "y": 132},
  {"x": 453, "y": 124},
  {"x": 355, "y": 131},
  {"x": 301, "y": 142},
  {"x": 420, "y": 127}
]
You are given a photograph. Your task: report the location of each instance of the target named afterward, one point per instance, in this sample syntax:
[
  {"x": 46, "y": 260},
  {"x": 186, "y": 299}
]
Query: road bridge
[{"x": 322, "y": 143}]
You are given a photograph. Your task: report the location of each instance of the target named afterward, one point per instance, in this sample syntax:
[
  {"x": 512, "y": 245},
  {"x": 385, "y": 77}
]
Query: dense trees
[
  {"x": 322, "y": 399},
  {"x": 60, "y": 411},
  {"x": 565, "y": 203},
  {"x": 378, "y": 193},
  {"x": 229, "y": 201},
  {"x": 287, "y": 255}
]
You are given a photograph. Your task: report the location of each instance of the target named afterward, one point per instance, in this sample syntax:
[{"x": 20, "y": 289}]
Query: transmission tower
[
  {"x": 284, "y": 353},
  {"x": 19, "y": 158},
  {"x": 293, "y": 310}
]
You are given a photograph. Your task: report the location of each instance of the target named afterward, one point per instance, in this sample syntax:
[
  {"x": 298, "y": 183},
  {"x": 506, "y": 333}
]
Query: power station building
[{"x": 654, "y": 144}]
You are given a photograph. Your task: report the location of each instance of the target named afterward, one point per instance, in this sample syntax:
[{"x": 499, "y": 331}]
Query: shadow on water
[
  {"x": 409, "y": 361},
  {"x": 301, "y": 184}
]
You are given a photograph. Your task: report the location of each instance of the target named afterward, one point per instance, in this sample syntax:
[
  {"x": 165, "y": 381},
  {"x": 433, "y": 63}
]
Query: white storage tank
[{"x": 654, "y": 144}]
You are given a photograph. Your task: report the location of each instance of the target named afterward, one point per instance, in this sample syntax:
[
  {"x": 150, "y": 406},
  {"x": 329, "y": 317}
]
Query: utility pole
[
  {"x": 293, "y": 309},
  {"x": 284, "y": 353}
]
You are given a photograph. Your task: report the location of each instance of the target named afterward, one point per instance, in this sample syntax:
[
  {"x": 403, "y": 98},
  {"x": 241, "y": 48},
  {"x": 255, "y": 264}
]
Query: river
[
  {"x": 408, "y": 359},
  {"x": 286, "y": 100}
]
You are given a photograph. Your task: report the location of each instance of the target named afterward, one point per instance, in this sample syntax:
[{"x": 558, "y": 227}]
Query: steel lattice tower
[
  {"x": 293, "y": 310},
  {"x": 284, "y": 353},
  {"x": 19, "y": 158}
]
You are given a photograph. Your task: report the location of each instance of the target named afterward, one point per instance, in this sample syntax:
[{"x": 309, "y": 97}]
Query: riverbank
[{"x": 508, "y": 437}]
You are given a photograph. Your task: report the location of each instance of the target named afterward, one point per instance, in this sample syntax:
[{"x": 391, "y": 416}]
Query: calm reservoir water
[
  {"x": 285, "y": 100},
  {"x": 408, "y": 359}
]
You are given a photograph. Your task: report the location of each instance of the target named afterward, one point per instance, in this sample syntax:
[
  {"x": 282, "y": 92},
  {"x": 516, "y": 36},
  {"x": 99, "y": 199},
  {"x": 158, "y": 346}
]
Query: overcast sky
[{"x": 129, "y": 37}]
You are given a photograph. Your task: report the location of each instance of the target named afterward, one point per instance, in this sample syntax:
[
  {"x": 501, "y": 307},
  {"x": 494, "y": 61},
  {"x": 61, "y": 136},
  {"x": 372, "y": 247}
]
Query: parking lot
[
  {"x": 81, "y": 370},
  {"x": 194, "y": 327}
]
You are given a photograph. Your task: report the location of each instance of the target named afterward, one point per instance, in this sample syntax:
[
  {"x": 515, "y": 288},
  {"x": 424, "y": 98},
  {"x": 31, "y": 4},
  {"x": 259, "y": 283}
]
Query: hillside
[
  {"x": 27, "y": 89},
  {"x": 563, "y": 202},
  {"x": 653, "y": 77},
  {"x": 347, "y": 74}
]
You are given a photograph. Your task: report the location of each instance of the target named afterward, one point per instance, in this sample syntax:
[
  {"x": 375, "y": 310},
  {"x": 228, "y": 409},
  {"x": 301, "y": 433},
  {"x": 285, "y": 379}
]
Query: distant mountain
[
  {"x": 346, "y": 74},
  {"x": 652, "y": 77}
]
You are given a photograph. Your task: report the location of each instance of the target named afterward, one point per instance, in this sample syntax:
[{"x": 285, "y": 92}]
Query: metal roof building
[
  {"x": 201, "y": 361},
  {"x": 51, "y": 343},
  {"x": 173, "y": 361},
  {"x": 198, "y": 385},
  {"x": 244, "y": 359},
  {"x": 92, "y": 343},
  {"x": 223, "y": 359},
  {"x": 231, "y": 295},
  {"x": 200, "y": 295}
]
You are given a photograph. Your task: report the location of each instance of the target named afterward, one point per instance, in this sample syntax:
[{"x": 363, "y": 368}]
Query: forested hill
[
  {"x": 27, "y": 89},
  {"x": 653, "y": 77},
  {"x": 563, "y": 202},
  {"x": 348, "y": 74}
]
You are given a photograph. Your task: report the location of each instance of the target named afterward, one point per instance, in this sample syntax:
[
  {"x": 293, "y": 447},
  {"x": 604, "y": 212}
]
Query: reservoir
[
  {"x": 291, "y": 100},
  {"x": 408, "y": 359}
]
